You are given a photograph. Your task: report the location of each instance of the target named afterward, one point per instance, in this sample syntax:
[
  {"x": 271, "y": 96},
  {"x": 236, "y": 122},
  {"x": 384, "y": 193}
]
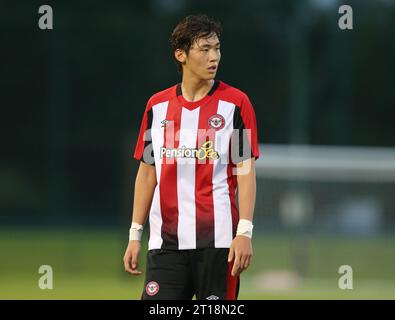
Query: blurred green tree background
[{"x": 72, "y": 100}]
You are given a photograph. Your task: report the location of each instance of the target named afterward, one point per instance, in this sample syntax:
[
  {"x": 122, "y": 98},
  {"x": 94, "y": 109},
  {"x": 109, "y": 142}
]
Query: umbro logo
[
  {"x": 164, "y": 123},
  {"x": 212, "y": 297}
]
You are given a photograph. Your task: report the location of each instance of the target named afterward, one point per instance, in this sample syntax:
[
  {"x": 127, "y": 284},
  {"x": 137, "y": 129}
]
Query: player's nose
[{"x": 214, "y": 56}]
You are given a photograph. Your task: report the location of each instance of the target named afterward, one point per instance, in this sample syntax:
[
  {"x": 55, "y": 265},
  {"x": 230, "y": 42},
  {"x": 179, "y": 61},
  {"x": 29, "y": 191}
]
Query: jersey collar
[{"x": 194, "y": 104}]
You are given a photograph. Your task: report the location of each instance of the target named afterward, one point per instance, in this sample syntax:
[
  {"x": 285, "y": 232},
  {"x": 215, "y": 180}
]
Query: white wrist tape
[
  {"x": 244, "y": 228},
  {"x": 135, "y": 231}
]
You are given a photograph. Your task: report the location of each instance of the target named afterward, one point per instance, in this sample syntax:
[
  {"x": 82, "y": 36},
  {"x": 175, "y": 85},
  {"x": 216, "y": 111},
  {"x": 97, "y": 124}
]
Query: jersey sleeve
[
  {"x": 144, "y": 148},
  {"x": 245, "y": 135}
]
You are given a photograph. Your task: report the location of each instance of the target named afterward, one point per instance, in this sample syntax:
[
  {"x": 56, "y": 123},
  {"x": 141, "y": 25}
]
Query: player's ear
[{"x": 180, "y": 55}]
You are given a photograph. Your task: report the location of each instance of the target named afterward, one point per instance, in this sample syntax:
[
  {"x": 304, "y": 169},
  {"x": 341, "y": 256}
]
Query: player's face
[{"x": 203, "y": 58}]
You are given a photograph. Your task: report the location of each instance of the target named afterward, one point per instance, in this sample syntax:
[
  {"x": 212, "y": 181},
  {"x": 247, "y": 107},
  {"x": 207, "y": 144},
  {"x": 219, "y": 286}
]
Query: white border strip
[{"x": 326, "y": 163}]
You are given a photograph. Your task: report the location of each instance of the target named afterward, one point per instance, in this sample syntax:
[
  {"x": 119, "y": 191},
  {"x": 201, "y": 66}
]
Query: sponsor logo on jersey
[
  {"x": 206, "y": 151},
  {"x": 216, "y": 122},
  {"x": 212, "y": 297},
  {"x": 152, "y": 288}
]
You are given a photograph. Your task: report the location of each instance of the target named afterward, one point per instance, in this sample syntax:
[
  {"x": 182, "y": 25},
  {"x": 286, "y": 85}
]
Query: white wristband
[
  {"x": 135, "y": 232},
  {"x": 244, "y": 228}
]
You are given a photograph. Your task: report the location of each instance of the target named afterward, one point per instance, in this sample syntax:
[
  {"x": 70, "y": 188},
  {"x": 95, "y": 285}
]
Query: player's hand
[
  {"x": 241, "y": 252},
  {"x": 131, "y": 256}
]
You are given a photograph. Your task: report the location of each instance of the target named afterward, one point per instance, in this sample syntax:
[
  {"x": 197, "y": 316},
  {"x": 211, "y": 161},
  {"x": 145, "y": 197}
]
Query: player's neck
[{"x": 194, "y": 89}]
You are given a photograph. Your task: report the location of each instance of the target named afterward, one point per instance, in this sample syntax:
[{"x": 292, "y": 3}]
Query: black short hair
[{"x": 189, "y": 30}]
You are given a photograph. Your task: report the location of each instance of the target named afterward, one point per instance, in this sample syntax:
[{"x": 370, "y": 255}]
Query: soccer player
[{"x": 197, "y": 145}]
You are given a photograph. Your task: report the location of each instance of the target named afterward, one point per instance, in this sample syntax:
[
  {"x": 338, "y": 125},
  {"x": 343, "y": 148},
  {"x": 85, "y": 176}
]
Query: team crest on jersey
[
  {"x": 216, "y": 122},
  {"x": 152, "y": 288}
]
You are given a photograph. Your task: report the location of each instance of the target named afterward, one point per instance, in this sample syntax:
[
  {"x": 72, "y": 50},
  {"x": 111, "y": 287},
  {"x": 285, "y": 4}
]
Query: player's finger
[
  {"x": 247, "y": 262},
  {"x": 134, "y": 262},
  {"x": 236, "y": 265},
  {"x": 126, "y": 262},
  {"x": 135, "y": 271},
  {"x": 231, "y": 254},
  {"x": 244, "y": 262},
  {"x": 243, "y": 259}
]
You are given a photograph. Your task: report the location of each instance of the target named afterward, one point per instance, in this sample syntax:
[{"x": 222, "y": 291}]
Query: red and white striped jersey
[{"x": 195, "y": 147}]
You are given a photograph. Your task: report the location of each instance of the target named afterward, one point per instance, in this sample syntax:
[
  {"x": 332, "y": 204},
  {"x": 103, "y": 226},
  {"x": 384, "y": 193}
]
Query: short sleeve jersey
[{"x": 195, "y": 147}]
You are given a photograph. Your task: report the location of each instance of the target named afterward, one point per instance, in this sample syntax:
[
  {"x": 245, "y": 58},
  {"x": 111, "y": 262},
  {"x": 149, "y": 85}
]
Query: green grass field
[{"x": 88, "y": 265}]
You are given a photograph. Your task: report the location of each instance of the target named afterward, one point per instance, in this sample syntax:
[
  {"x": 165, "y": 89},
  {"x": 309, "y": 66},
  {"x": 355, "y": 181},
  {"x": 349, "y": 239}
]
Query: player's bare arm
[
  {"x": 241, "y": 247},
  {"x": 143, "y": 193}
]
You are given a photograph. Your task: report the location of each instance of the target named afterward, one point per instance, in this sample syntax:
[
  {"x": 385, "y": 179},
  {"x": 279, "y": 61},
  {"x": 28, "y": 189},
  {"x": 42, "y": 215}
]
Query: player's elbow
[{"x": 146, "y": 175}]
